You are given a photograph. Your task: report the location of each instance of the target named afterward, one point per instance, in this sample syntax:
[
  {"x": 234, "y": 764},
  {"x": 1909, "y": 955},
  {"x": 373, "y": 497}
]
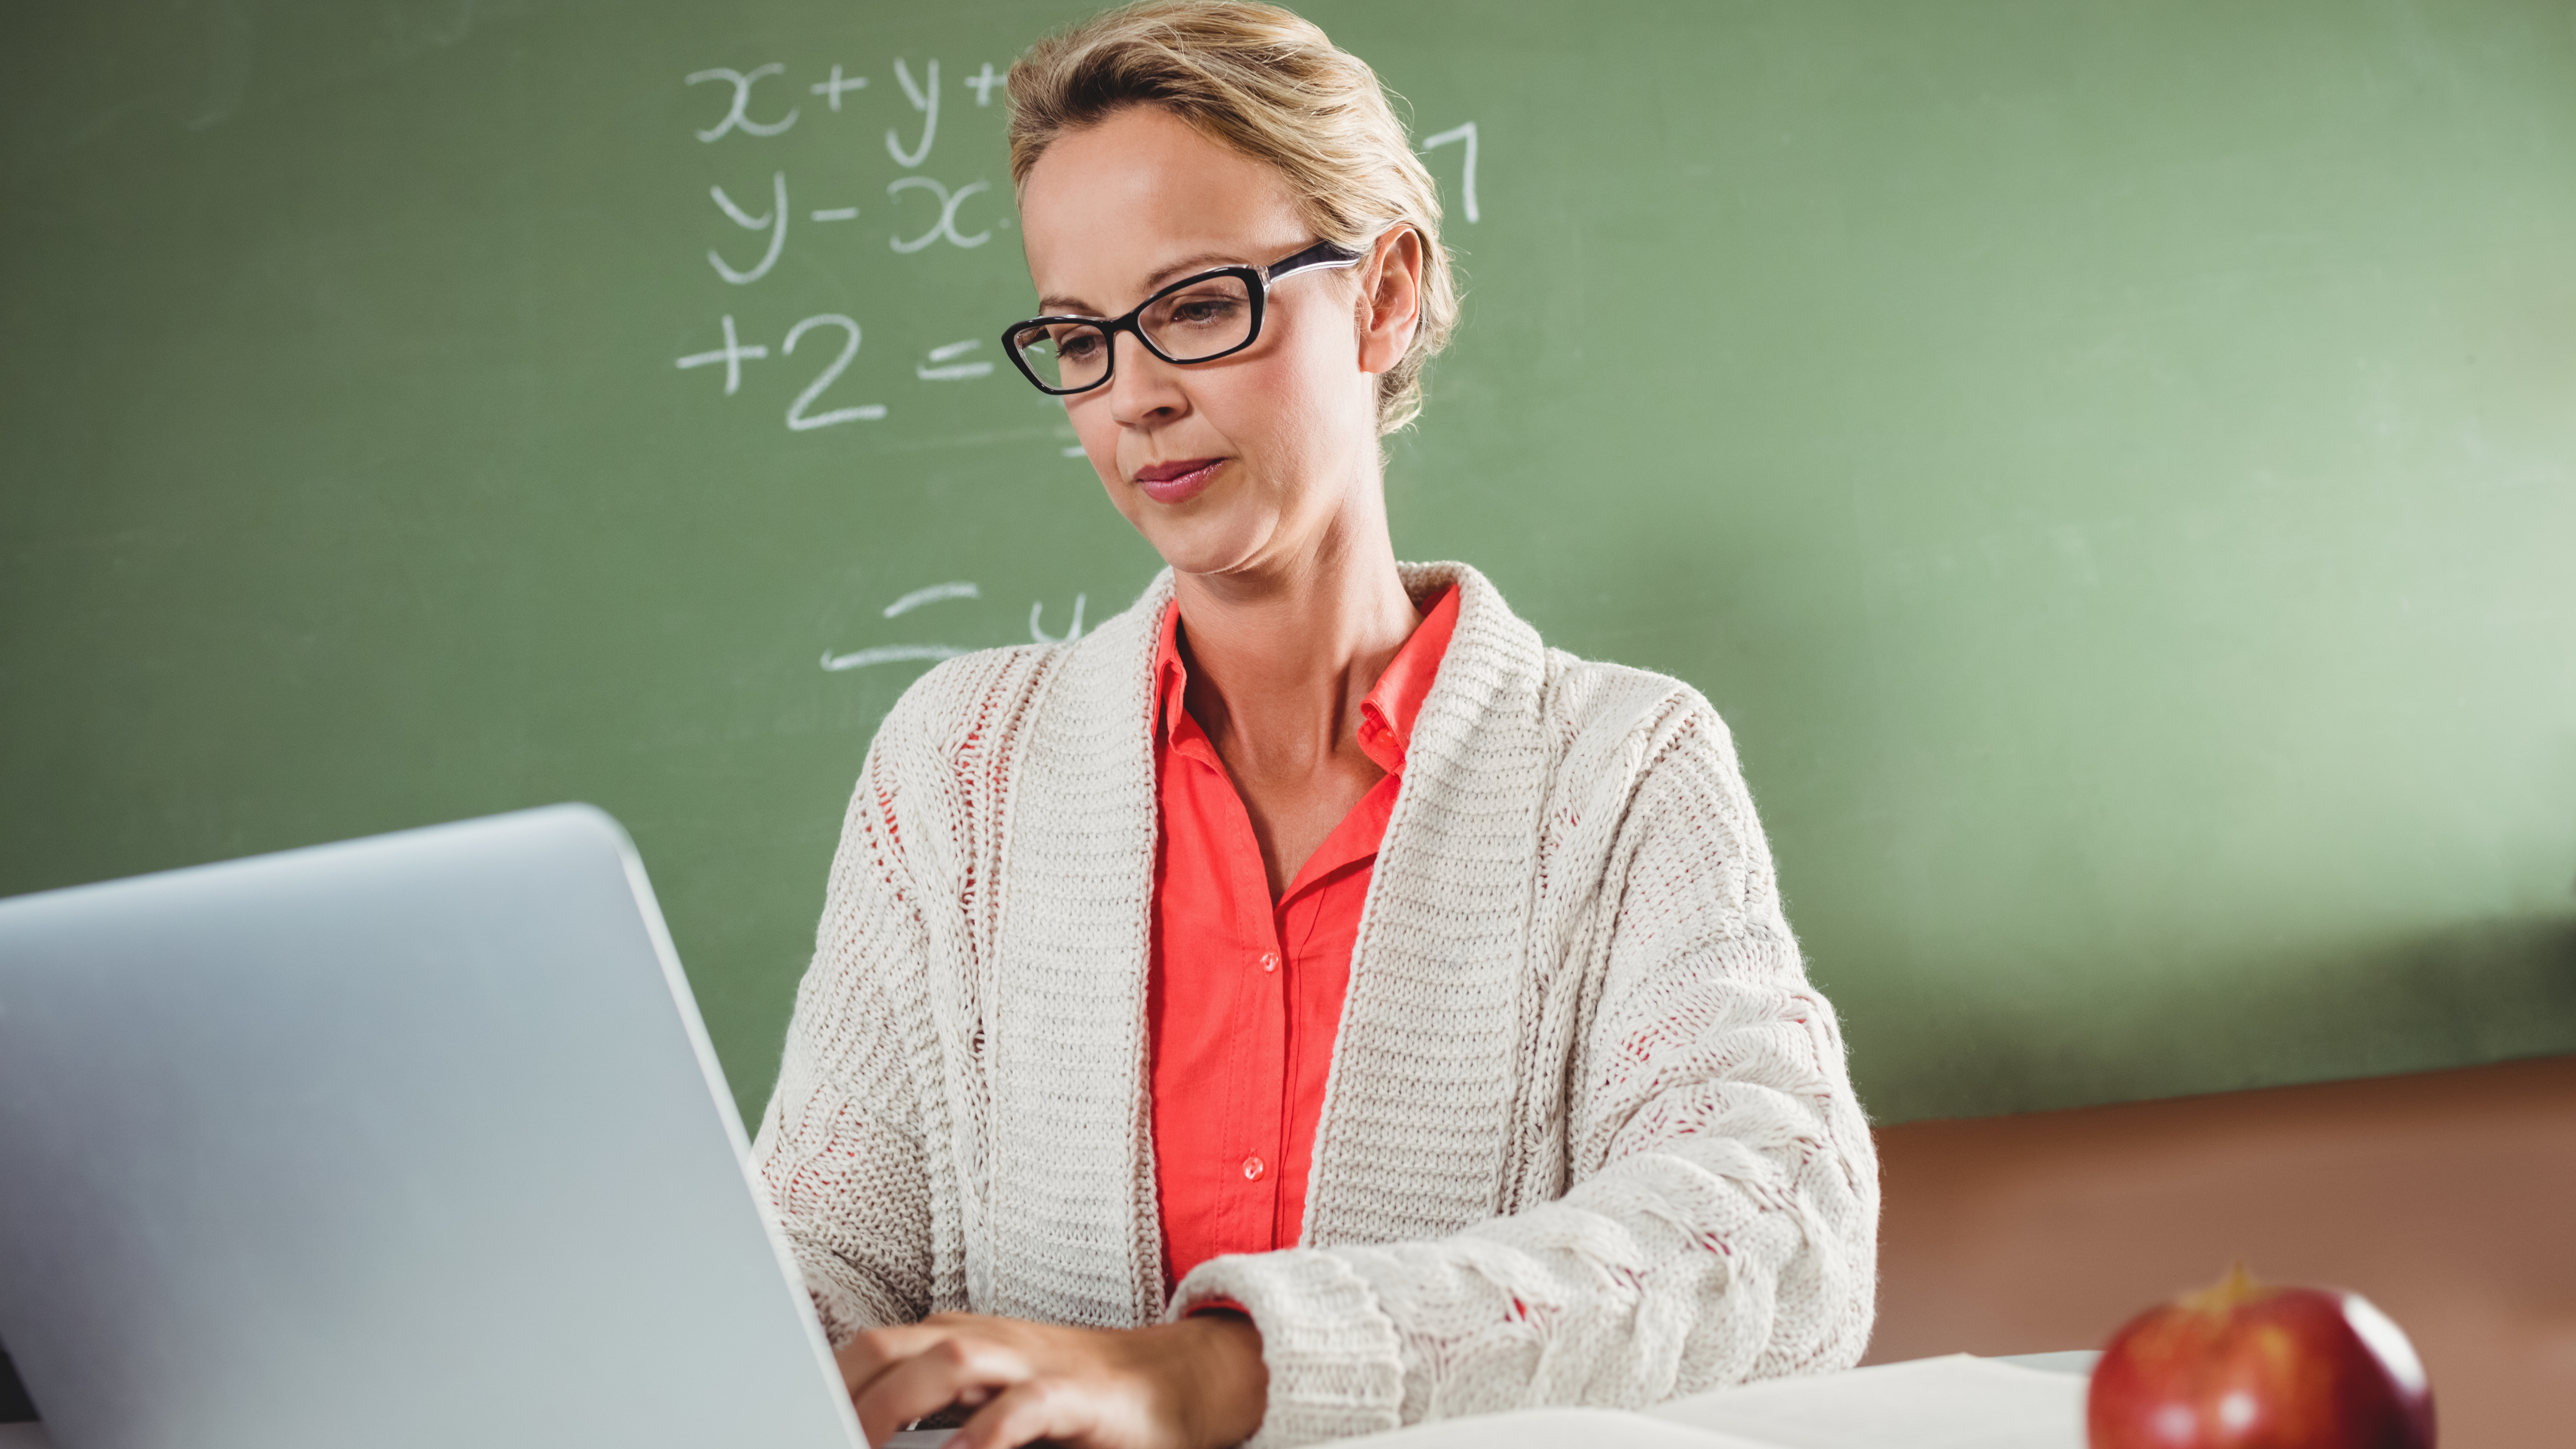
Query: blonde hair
[{"x": 1269, "y": 85}]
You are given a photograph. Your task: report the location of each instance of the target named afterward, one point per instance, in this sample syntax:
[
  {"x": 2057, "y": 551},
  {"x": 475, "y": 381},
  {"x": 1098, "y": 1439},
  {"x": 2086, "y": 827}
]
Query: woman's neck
[{"x": 1279, "y": 663}]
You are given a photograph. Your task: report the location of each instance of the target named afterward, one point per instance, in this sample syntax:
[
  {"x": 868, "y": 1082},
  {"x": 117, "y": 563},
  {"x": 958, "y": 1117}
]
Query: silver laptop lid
[{"x": 414, "y": 1140}]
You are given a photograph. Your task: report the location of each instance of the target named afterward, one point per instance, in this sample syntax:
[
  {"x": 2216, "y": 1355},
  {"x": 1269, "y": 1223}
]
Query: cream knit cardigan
[{"x": 1589, "y": 1136}]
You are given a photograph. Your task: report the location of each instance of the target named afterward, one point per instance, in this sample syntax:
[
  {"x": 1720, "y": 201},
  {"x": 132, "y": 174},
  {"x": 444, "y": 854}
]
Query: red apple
[{"x": 2244, "y": 1366}]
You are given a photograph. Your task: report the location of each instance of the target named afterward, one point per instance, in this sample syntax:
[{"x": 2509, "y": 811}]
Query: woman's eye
[
  {"x": 1203, "y": 311},
  {"x": 1080, "y": 345}
]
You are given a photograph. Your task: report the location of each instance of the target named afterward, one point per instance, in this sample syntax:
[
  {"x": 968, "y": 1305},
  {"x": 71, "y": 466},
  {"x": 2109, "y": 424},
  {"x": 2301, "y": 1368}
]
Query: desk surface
[{"x": 2075, "y": 1363}]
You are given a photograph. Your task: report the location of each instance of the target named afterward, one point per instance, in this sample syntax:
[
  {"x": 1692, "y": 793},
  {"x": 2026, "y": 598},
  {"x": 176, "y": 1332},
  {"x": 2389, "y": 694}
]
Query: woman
[{"x": 1305, "y": 1004}]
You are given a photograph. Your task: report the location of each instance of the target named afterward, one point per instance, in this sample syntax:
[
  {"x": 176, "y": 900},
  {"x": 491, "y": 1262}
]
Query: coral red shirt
[{"x": 1244, "y": 993}]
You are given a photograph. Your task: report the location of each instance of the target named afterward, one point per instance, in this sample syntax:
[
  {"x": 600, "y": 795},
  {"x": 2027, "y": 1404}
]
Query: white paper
[
  {"x": 1552, "y": 1429},
  {"x": 1958, "y": 1402}
]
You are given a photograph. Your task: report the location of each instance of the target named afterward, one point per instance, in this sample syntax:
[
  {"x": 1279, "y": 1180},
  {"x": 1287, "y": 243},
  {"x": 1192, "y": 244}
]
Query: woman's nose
[{"x": 1142, "y": 386}]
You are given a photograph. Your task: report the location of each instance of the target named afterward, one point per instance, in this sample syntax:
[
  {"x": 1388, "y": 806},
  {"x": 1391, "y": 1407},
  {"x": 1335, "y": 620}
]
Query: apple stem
[{"x": 2232, "y": 1291}]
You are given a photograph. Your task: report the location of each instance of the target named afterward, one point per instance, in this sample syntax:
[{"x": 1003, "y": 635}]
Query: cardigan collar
[{"x": 1069, "y": 1082}]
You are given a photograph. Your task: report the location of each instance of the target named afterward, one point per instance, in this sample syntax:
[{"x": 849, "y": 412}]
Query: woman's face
[{"x": 1244, "y": 465}]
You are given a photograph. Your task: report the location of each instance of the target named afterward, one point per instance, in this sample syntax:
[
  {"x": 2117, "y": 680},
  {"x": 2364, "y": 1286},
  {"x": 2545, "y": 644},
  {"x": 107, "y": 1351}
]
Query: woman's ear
[{"x": 1390, "y": 305}]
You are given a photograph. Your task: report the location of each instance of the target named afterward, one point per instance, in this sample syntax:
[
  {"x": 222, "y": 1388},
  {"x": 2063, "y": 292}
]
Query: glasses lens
[
  {"x": 1200, "y": 320},
  {"x": 1066, "y": 355}
]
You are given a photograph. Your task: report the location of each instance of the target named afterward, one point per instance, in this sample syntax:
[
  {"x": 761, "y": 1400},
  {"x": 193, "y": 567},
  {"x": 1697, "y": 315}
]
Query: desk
[
  {"x": 2027, "y": 1401},
  {"x": 1960, "y": 1402}
]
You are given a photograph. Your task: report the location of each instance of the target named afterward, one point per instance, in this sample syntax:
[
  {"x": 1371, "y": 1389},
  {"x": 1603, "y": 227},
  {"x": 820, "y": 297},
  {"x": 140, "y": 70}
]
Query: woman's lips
[{"x": 1177, "y": 482}]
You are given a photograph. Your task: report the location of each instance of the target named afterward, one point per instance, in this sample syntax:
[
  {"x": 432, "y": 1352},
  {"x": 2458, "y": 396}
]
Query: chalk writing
[
  {"x": 948, "y": 204},
  {"x": 1466, "y": 133},
  {"x": 904, "y": 653},
  {"x": 983, "y": 82},
  {"x": 737, "y": 116},
  {"x": 831, "y": 89},
  {"x": 931, "y": 653},
  {"x": 940, "y": 369},
  {"x": 776, "y": 218},
  {"x": 797, "y": 420},
  {"x": 890, "y": 654},
  {"x": 736, "y": 352},
  {"x": 731, "y": 355},
  {"x": 962, "y": 589},
  {"x": 925, "y": 102},
  {"x": 1039, "y": 636}
]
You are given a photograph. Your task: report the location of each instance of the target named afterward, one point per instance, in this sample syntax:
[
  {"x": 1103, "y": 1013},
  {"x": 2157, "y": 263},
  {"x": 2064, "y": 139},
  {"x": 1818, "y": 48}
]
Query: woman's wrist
[{"x": 1225, "y": 1386}]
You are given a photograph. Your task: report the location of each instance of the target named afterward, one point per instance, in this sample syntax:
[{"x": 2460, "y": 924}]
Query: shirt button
[
  {"x": 1252, "y": 1169},
  {"x": 1269, "y": 960}
]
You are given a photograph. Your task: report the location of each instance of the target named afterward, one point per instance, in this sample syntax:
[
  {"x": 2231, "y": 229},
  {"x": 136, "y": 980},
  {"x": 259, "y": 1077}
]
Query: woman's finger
[
  {"x": 872, "y": 1352},
  {"x": 1039, "y": 1408},
  {"x": 934, "y": 1378}
]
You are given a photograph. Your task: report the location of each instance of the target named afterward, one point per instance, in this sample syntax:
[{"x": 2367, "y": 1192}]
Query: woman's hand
[{"x": 1196, "y": 1384}]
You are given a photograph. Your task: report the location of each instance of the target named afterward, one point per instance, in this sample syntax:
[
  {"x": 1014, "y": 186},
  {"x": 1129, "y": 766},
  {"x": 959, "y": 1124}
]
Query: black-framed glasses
[{"x": 1196, "y": 319}]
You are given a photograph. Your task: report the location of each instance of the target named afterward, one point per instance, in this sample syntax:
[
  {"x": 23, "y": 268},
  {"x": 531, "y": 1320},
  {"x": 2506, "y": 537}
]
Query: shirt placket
[
  {"x": 1288, "y": 982},
  {"x": 1257, "y": 1133}
]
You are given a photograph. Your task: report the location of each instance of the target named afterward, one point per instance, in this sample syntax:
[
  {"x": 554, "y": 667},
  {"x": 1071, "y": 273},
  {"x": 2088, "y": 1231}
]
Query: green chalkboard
[{"x": 2113, "y": 464}]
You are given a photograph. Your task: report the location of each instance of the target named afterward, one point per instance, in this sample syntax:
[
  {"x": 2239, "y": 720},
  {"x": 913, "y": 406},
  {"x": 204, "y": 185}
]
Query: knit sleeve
[
  {"x": 1721, "y": 1221},
  {"x": 840, "y": 1151}
]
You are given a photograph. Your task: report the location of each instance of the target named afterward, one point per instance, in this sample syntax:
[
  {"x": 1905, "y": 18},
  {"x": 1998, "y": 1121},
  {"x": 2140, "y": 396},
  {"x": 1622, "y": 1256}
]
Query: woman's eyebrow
[{"x": 1200, "y": 263}]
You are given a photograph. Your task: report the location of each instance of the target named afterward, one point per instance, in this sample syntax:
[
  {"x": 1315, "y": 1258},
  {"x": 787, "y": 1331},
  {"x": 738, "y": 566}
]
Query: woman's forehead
[{"x": 1111, "y": 209}]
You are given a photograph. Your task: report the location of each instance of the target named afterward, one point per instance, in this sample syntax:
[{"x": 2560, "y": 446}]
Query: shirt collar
[
  {"x": 1171, "y": 679},
  {"x": 1386, "y": 715}
]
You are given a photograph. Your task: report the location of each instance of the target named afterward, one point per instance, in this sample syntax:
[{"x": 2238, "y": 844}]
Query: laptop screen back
[{"x": 409, "y": 1141}]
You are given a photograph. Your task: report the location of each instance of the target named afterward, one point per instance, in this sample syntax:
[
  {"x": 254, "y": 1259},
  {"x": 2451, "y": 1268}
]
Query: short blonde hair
[{"x": 1269, "y": 85}]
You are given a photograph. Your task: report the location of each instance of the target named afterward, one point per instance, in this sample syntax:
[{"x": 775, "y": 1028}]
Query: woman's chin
[{"x": 1208, "y": 545}]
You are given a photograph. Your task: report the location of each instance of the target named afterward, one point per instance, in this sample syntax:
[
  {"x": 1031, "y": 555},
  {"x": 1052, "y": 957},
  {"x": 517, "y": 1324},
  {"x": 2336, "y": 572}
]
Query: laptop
[{"x": 414, "y": 1142}]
